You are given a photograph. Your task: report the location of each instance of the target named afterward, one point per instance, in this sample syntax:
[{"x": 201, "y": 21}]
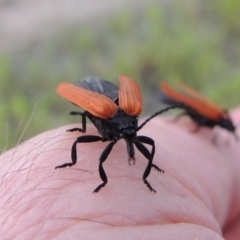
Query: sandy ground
[{"x": 22, "y": 21}]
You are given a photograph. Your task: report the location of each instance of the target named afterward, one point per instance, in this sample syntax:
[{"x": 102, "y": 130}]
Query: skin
[{"x": 197, "y": 197}]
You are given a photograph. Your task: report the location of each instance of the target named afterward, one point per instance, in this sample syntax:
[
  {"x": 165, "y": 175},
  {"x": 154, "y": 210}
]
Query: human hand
[{"x": 197, "y": 197}]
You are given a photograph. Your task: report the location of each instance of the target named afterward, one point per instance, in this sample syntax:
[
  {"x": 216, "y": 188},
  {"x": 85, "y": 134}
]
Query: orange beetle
[
  {"x": 201, "y": 110},
  {"x": 114, "y": 112}
]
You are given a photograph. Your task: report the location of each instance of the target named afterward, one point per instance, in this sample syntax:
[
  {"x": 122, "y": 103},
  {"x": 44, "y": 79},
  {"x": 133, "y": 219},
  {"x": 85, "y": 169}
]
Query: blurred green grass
[{"x": 196, "y": 42}]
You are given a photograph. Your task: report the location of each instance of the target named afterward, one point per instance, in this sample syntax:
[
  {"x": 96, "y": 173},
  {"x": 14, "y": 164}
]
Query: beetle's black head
[
  {"x": 226, "y": 122},
  {"x": 124, "y": 124}
]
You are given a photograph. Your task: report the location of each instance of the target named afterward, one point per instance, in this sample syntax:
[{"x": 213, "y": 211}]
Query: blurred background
[{"x": 45, "y": 42}]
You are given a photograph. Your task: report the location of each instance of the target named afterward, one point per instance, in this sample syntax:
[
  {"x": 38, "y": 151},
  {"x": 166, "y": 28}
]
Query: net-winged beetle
[
  {"x": 200, "y": 109},
  {"x": 114, "y": 112}
]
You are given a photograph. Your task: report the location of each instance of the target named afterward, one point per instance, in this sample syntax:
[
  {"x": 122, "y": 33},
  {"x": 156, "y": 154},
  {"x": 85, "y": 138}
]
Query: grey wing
[{"x": 99, "y": 85}]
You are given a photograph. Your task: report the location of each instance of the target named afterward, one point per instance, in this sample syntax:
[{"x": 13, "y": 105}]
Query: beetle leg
[
  {"x": 139, "y": 144},
  {"x": 82, "y": 139},
  {"x": 149, "y": 141},
  {"x": 102, "y": 159},
  {"x": 200, "y": 122},
  {"x": 214, "y": 138},
  {"x": 196, "y": 129},
  {"x": 83, "y": 129}
]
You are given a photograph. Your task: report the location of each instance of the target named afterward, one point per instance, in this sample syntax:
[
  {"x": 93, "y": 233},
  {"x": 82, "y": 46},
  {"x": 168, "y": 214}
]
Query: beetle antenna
[{"x": 180, "y": 105}]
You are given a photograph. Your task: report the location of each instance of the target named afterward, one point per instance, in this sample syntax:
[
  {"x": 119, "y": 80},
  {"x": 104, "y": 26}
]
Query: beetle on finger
[{"x": 114, "y": 112}]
